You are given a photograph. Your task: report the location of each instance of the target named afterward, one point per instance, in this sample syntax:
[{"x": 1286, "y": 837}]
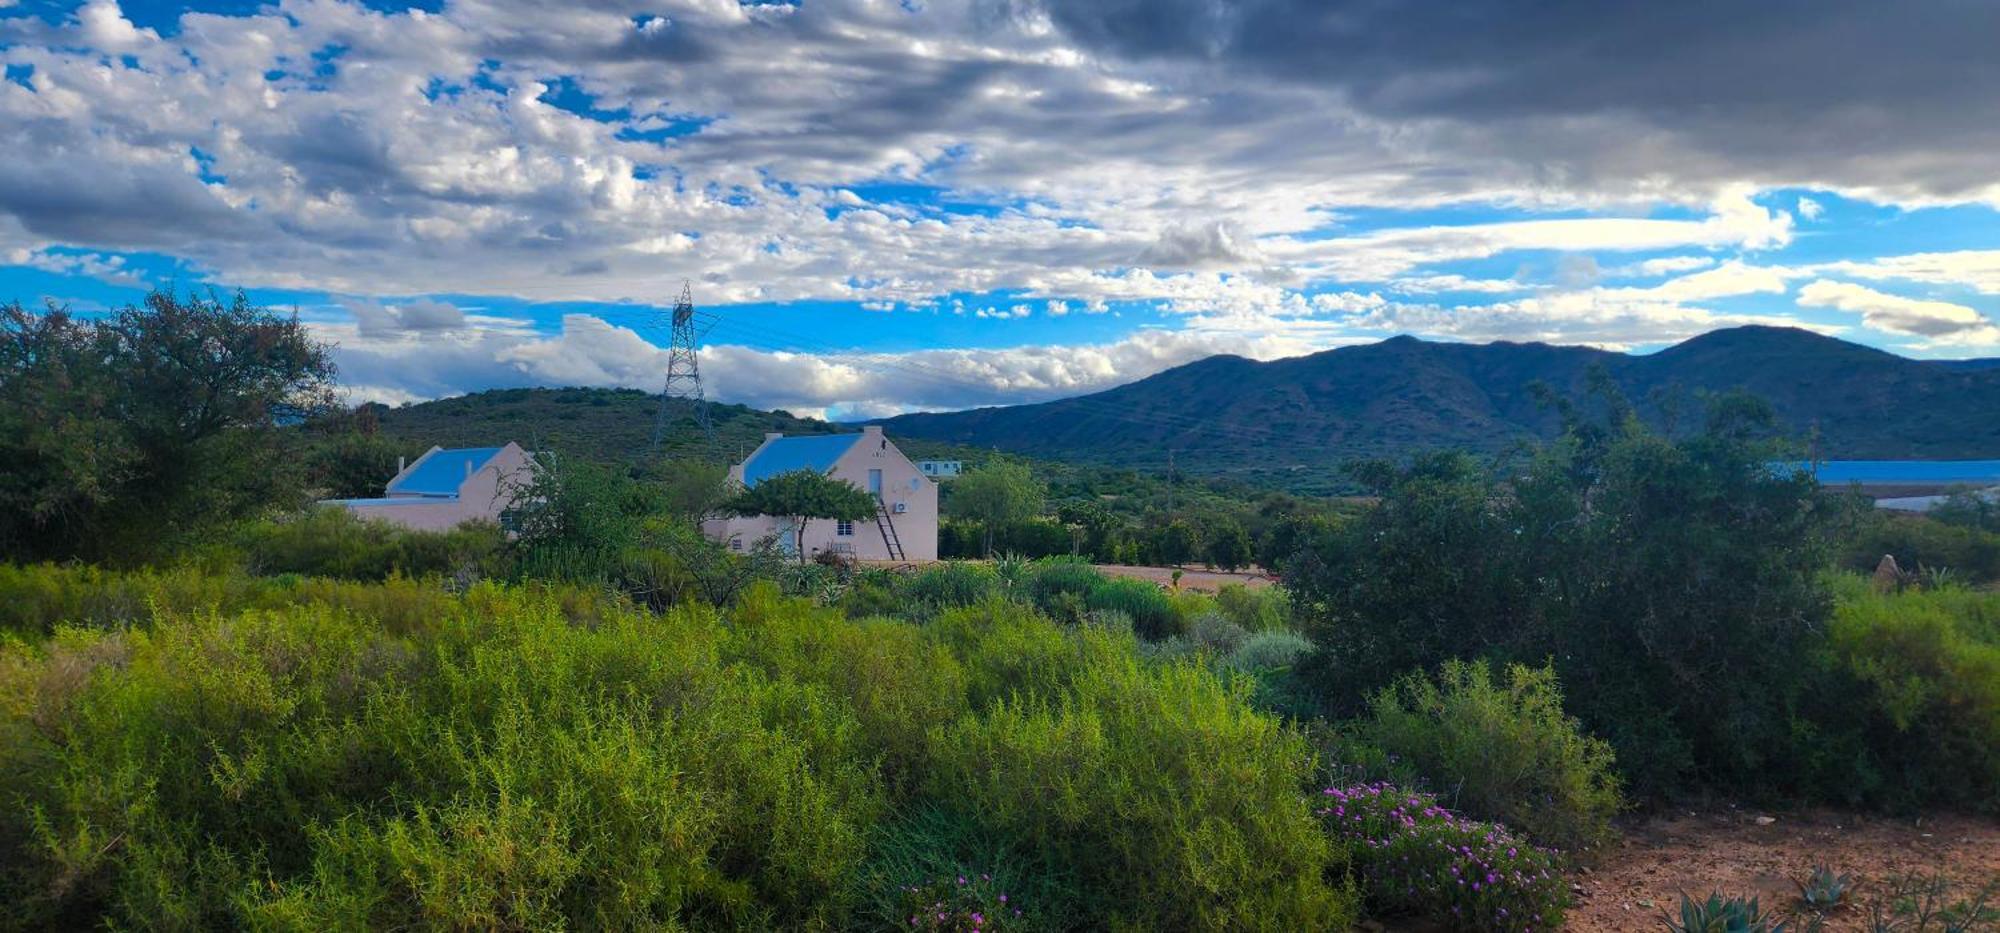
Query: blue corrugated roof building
[
  {"x": 785, "y": 454},
  {"x": 440, "y": 472}
]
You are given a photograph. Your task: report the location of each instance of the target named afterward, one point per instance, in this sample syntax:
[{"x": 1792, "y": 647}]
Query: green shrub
[
  {"x": 950, "y": 584},
  {"x": 899, "y": 683},
  {"x": 1010, "y": 653},
  {"x": 305, "y": 768},
  {"x": 293, "y": 752},
  {"x": 932, "y": 861},
  {"x": 1173, "y": 804},
  {"x": 1259, "y": 609},
  {"x": 35, "y": 599},
  {"x": 1921, "y": 542},
  {"x": 1917, "y": 679},
  {"x": 1150, "y": 609},
  {"x": 1266, "y": 651},
  {"x": 1413, "y": 856},
  {"x": 330, "y": 541},
  {"x": 1500, "y": 751},
  {"x": 1673, "y": 582},
  {"x": 1061, "y": 587},
  {"x": 1215, "y": 634}
]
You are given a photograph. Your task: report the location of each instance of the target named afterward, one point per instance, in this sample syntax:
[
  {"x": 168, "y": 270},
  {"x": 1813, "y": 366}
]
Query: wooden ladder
[{"x": 888, "y": 527}]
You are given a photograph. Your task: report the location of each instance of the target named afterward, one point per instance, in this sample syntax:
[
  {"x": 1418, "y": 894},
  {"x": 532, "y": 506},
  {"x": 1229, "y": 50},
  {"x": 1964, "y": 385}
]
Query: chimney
[
  {"x": 400, "y": 467},
  {"x": 773, "y": 435}
]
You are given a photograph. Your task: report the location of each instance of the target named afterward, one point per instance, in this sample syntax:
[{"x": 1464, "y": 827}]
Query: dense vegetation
[
  {"x": 271, "y": 754},
  {"x": 290, "y": 718},
  {"x": 129, "y": 435},
  {"x": 1678, "y": 589}
]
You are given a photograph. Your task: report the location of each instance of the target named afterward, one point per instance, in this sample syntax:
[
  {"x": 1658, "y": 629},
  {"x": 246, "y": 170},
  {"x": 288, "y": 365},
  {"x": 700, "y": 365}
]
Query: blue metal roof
[
  {"x": 440, "y": 473},
  {"x": 785, "y": 454}
]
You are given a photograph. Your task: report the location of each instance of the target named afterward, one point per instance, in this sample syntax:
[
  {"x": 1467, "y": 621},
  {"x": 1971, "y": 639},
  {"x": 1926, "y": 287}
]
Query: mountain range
[{"x": 1230, "y": 414}]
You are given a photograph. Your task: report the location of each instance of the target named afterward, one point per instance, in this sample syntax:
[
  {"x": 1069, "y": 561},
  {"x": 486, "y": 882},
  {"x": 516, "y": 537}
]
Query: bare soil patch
[
  {"x": 1736, "y": 852},
  {"x": 1207, "y": 581}
]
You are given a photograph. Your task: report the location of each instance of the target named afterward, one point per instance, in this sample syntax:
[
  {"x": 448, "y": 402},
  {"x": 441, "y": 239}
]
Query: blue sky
[{"x": 885, "y": 207}]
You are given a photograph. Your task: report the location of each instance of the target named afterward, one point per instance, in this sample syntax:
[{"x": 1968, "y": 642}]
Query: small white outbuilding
[{"x": 446, "y": 488}]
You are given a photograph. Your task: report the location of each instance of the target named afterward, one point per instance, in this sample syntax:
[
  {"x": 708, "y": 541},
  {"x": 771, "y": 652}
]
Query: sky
[{"x": 893, "y": 205}]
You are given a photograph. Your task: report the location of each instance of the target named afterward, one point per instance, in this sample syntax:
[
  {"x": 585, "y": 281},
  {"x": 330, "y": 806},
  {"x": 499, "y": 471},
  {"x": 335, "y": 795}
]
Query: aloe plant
[
  {"x": 1823, "y": 890},
  {"x": 1723, "y": 915}
]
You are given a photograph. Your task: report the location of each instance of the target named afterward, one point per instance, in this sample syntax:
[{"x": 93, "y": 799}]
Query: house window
[
  {"x": 736, "y": 544},
  {"x": 843, "y": 528}
]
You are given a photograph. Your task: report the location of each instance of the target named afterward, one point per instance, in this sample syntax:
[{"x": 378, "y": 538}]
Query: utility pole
[{"x": 684, "y": 374}]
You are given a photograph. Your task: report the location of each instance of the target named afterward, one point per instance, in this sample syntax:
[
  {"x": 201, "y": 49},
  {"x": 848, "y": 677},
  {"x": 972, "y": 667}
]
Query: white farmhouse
[
  {"x": 446, "y": 488},
  {"x": 939, "y": 469},
  {"x": 905, "y": 525}
]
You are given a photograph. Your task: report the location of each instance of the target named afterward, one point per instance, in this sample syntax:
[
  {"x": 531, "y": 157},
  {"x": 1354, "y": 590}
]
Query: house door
[{"x": 875, "y": 483}]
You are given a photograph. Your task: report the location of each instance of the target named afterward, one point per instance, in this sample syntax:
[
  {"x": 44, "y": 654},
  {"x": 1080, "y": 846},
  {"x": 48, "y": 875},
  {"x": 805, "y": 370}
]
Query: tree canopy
[
  {"x": 997, "y": 494},
  {"x": 804, "y": 495},
  {"x": 1669, "y": 581},
  {"x": 124, "y": 434}
]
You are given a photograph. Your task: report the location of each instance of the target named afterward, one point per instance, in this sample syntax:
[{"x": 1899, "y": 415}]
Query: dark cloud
[{"x": 1852, "y": 92}]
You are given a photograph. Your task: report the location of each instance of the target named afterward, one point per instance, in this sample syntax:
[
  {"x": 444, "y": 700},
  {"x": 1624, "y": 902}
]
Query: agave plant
[
  {"x": 1723, "y": 915},
  {"x": 1823, "y": 890},
  {"x": 1012, "y": 569}
]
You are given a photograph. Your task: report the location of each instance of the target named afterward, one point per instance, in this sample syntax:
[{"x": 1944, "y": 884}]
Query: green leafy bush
[
  {"x": 1673, "y": 582},
  {"x": 1151, "y": 610},
  {"x": 1413, "y": 856},
  {"x": 1173, "y": 804},
  {"x": 1259, "y": 609},
  {"x": 1921, "y": 542},
  {"x": 278, "y": 754},
  {"x": 1061, "y": 587},
  {"x": 943, "y": 870},
  {"x": 899, "y": 683},
  {"x": 1917, "y": 674},
  {"x": 1266, "y": 651},
  {"x": 950, "y": 584},
  {"x": 499, "y": 768},
  {"x": 1500, "y": 751},
  {"x": 332, "y": 542},
  {"x": 35, "y": 599},
  {"x": 1215, "y": 634}
]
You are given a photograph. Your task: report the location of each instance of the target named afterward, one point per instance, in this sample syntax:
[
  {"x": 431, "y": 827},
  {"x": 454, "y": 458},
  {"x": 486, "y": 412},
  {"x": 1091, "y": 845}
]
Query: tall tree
[
  {"x": 1228, "y": 545},
  {"x": 125, "y": 435},
  {"x": 996, "y": 495},
  {"x": 802, "y": 495}
]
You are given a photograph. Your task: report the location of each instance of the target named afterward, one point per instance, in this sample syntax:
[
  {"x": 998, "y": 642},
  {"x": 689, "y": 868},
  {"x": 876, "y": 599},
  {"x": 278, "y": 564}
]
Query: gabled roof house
[
  {"x": 905, "y": 525},
  {"x": 445, "y": 488}
]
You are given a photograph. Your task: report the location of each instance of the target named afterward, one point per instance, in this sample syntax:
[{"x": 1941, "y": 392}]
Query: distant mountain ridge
[{"x": 1230, "y": 414}]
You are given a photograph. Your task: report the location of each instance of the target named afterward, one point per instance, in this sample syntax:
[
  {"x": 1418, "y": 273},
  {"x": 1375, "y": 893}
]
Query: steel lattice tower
[{"x": 684, "y": 373}]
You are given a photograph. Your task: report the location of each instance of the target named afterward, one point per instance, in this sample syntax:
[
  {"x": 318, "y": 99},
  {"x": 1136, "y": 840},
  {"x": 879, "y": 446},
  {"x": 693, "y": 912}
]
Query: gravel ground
[{"x": 1754, "y": 853}]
